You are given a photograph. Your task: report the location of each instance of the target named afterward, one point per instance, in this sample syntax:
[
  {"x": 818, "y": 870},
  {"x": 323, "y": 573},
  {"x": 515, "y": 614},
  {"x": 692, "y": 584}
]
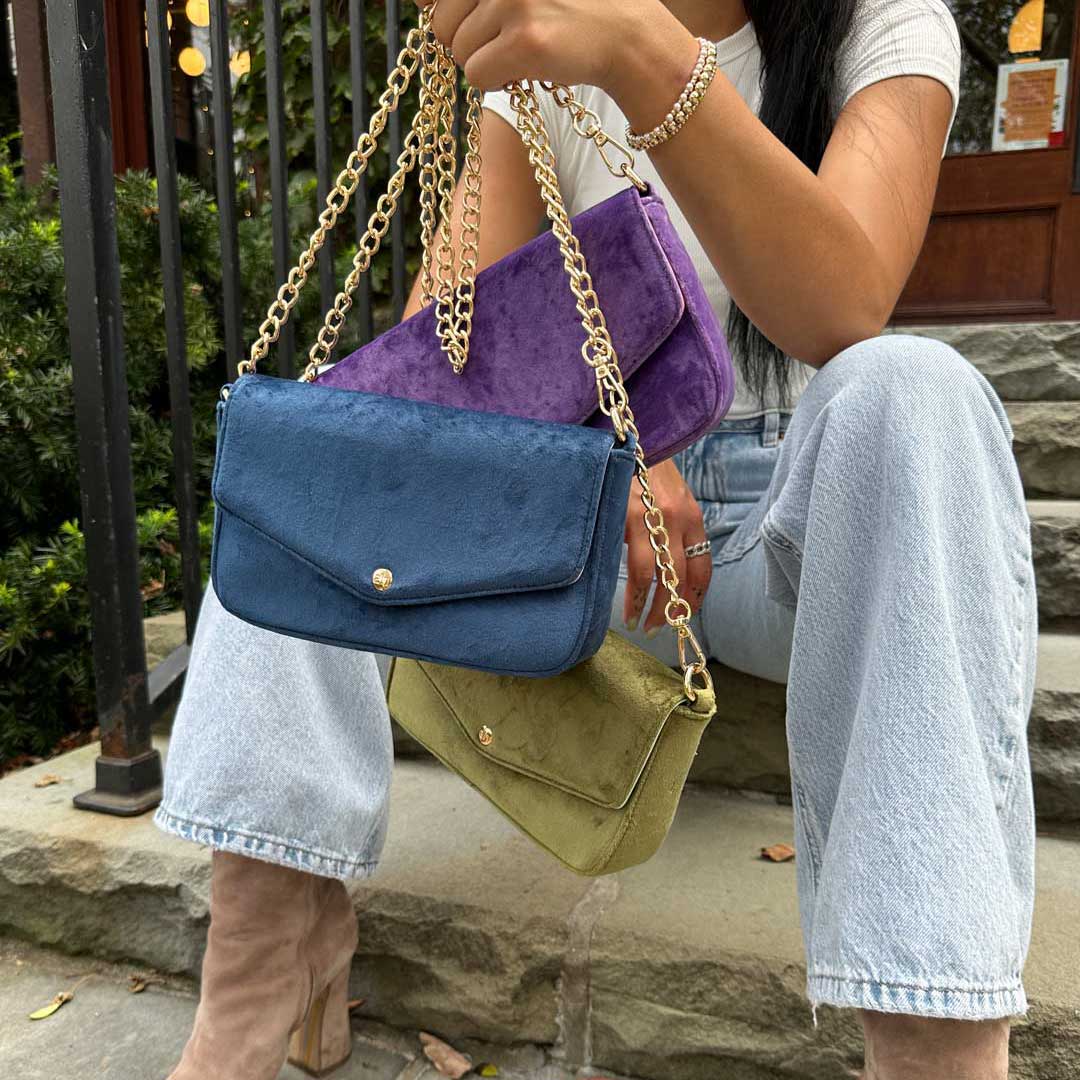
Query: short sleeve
[
  {"x": 556, "y": 123},
  {"x": 900, "y": 37}
]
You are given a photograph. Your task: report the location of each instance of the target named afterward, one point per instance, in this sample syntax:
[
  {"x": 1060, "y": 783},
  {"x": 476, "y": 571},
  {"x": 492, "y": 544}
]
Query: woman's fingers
[
  {"x": 639, "y": 562},
  {"x": 480, "y": 27},
  {"x": 449, "y": 15},
  {"x": 656, "y": 619}
]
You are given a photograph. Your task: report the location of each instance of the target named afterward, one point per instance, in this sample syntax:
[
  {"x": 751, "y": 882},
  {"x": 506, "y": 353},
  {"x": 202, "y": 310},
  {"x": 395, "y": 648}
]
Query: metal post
[
  {"x": 279, "y": 173},
  {"x": 320, "y": 80},
  {"x": 128, "y": 769},
  {"x": 397, "y": 225},
  {"x": 225, "y": 174},
  {"x": 172, "y": 274},
  {"x": 358, "y": 69}
]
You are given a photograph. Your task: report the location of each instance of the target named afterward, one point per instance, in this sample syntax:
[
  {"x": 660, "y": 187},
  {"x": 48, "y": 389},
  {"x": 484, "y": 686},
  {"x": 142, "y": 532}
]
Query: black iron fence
[{"x": 130, "y": 697}]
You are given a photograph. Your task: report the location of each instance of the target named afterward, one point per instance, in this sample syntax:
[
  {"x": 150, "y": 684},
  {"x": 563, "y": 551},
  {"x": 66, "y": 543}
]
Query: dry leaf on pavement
[
  {"x": 48, "y": 1010},
  {"x": 778, "y": 853},
  {"x": 445, "y": 1058},
  {"x": 48, "y": 779}
]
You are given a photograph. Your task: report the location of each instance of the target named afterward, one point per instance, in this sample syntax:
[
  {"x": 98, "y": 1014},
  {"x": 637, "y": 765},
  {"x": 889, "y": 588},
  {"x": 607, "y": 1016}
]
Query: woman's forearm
[{"x": 791, "y": 254}]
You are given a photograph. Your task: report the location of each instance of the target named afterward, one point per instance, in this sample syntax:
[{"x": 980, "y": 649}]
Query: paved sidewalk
[{"x": 108, "y": 1033}]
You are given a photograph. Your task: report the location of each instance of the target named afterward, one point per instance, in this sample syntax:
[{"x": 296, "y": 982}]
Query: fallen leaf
[
  {"x": 356, "y": 1003},
  {"x": 154, "y": 587},
  {"x": 445, "y": 1058},
  {"x": 48, "y": 779},
  {"x": 487, "y": 1070},
  {"x": 56, "y": 1003},
  {"x": 778, "y": 853}
]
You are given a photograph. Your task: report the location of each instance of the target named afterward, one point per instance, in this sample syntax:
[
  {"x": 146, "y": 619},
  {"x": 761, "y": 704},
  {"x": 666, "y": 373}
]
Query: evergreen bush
[{"x": 46, "y": 673}]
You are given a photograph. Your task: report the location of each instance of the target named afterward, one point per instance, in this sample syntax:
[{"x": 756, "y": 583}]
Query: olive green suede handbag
[{"x": 590, "y": 763}]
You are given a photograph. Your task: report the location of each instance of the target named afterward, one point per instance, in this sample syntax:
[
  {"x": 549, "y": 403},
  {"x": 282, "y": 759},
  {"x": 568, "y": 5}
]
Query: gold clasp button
[
  {"x": 382, "y": 579},
  {"x": 486, "y": 736}
]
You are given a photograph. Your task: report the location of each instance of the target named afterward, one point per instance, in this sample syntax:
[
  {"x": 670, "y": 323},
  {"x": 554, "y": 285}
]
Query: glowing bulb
[
  {"x": 192, "y": 62},
  {"x": 198, "y": 12}
]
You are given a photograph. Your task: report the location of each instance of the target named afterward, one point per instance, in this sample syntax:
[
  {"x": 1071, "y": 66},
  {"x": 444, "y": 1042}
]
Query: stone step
[
  {"x": 687, "y": 968},
  {"x": 109, "y": 1033},
  {"x": 1046, "y": 441},
  {"x": 745, "y": 746},
  {"x": 1055, "y": 545},
  {"x": 1022, "y": 361}
]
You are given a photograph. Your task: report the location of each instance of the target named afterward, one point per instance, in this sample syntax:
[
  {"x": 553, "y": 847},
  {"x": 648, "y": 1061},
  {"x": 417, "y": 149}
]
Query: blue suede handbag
[{"x": 401, "y": 527}]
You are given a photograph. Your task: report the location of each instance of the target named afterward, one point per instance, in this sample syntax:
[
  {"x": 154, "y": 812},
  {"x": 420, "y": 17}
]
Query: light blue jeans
[{"x": 872, "y": 550}]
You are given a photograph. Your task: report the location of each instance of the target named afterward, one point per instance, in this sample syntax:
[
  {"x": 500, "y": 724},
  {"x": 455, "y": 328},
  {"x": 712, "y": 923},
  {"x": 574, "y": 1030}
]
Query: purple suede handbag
[{"x": 525, "y": 353}]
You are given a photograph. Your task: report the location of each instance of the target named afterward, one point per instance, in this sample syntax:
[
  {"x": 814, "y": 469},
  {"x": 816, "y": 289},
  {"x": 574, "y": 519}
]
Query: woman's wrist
[{"x": 650, "y": 67}]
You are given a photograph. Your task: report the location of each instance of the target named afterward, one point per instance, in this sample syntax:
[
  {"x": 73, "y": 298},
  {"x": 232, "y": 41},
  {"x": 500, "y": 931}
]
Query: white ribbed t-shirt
[{"x": 887, "y": 38}]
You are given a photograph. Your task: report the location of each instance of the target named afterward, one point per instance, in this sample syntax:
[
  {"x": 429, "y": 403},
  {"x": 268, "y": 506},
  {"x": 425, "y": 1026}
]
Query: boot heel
[{"x": 324, "y": 1040}]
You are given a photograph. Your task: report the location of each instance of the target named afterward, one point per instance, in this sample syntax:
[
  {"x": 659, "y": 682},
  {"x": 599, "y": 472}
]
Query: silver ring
[{"x": 692, "y": 552}]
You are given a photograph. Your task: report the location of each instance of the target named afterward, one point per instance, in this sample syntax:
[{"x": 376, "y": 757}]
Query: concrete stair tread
[
  {"x": 1055, "y": 509},
  {"x": 1059, "y": 664},
  {"x": 692, "y": 963}
]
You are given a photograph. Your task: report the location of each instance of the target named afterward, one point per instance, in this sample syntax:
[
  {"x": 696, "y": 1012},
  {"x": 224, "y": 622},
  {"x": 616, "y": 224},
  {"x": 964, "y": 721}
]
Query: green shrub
[
  {"x": 46, "y": 677},
  {"x": 46, "y": 671},
  {"x": 250, "y": 110}
]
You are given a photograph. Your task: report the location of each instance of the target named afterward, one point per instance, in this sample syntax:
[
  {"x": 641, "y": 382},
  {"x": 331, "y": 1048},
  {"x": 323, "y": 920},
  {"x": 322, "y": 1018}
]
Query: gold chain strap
[
  {"x": 337, "y": 201},
  {"x": 599, "y": 354}
]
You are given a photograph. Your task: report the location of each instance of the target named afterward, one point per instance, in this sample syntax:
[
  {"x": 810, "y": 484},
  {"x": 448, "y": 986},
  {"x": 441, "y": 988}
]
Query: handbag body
[
  {"x": 590, "y": 764},
  {"x": 462, "y": 537},
  {"x": 663, "y": 328}
]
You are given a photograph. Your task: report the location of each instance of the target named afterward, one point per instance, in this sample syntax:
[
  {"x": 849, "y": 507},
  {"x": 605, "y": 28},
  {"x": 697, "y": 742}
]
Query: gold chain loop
[{"x": 599, "y": 354}]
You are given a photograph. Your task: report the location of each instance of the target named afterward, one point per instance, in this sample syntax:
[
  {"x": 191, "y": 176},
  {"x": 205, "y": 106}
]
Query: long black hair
[{"x": 800, "y": 42}]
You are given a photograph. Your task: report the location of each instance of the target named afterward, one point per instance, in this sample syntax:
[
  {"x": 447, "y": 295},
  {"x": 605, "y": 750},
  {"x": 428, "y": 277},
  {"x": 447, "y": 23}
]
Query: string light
[
  {"x": 191, "y": 61},
  {"x": 198, "y": 12}
]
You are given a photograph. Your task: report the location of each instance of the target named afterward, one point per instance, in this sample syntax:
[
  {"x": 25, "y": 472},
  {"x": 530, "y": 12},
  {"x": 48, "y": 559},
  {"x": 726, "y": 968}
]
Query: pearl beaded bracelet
[{"x": 699, "y": 81}]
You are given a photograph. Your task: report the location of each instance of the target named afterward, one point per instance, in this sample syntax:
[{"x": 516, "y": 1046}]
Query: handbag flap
[
  {"x": 589, "y": 731},
  {"x": 453, "y": 503},
  {"x": 525, "y": 349}
]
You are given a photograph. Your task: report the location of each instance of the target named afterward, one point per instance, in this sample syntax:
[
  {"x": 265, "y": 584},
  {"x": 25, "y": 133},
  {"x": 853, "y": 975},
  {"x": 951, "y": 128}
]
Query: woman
[{"x": 861, "y": 536}]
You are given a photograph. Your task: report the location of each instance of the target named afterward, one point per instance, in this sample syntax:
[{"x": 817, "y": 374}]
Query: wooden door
[{"x": 1004, "y": 241}]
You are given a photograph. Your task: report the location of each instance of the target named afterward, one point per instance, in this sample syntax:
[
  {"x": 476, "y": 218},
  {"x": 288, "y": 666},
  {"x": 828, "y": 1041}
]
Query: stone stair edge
[{"x": 472, "y": 932}]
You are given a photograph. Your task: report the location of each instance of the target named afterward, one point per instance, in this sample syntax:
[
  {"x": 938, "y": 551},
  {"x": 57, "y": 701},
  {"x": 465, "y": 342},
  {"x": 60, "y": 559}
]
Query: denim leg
[
  {"x": 281, "y": 750},
  {"x": 897, "y": 530},
  {"x": 886, "y": 575}
]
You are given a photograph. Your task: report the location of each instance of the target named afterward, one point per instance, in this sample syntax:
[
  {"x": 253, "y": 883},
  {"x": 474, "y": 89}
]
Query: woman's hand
[
  {"x": 566, "y": 41},
  {"x": 683, "y": 521}
]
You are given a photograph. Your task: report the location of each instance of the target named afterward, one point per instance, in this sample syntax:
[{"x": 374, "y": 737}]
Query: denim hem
[
  {"x": 266, "y": 848},
  {"x": 915, "y": 999}
]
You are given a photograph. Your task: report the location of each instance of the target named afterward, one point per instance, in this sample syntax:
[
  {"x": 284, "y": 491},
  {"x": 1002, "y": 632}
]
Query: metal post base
[{"x": 125, "y": 788}]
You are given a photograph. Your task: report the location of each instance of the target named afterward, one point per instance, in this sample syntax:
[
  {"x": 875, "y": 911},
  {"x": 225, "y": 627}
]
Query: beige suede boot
[
  {"x": 902, "y": 1047},
  {"x": 277, "y": 961}
]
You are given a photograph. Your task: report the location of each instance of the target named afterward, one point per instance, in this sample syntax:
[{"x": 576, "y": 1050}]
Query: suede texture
[
  {"x": 671, "y": 349},
  {"x": 503, "y": 534},
  {"x": 595, "y": 812}
]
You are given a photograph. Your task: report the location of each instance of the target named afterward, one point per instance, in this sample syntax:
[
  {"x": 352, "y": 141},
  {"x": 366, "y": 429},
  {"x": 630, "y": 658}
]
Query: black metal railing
[{"x": 130, "y": 697}]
